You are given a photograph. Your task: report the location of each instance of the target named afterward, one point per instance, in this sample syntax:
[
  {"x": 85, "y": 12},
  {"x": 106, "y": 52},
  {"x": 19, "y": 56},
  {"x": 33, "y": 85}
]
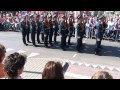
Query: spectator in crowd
[
  {"x": 2, "y": 56},
  {"x": 110, "y": 28},
  {"x": 92, "y": 25},
  {"x": 102, "y": 75},
  {"x": 87, "y": 28},
  {"x": 53, "y": 70},
  {"x": 14, "y": 65},
  {"x": 1, "y": 23},
  {"x": 117, "y": 31}
]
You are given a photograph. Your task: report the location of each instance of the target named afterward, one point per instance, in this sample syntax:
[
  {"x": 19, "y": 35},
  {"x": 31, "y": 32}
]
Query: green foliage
[
  {"x": 117, "y": 12},
  {"x": 100, "y": 13}
]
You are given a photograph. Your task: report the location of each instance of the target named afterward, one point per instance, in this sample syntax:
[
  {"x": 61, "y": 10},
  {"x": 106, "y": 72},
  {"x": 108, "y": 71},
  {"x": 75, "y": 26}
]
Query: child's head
[
  {"x": 14, "y": 65},
  {"x": 2, "y": 52},
  {"x": 102, "y": 75}
]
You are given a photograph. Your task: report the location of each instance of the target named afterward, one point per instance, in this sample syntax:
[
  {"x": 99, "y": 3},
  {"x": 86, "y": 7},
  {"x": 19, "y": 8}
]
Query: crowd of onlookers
[
  {"x": 10, "y": 22},
  {"x": 12, "y": 66}
]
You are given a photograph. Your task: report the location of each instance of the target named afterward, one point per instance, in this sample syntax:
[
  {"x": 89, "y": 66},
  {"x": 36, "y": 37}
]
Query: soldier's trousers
[
  {"x": 28, "y": 36},
  {"x": 42, "y": 36},
  {"x": 38, "y": 36},
  {"x": 33, "y": 38},
  {"x": 98, "y": 41},
  {"x": 63, "y": 41},
  {"x": 24, "y": 34},
  {"x": 50, "y": 36},
  {"x": 55, "y": 35},
  {"x": 79, "y": 44},
  {"x": 46, "y": 40},
  {"x": 69, "y": 37}
]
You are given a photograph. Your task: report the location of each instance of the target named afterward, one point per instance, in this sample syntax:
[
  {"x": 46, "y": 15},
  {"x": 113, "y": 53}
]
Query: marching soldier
[
  {"x": 51, "y": 30},
  {"x": 55, "y": 27},
  {"x": 25, "y": 30},
  {"x": 79, "y": 32},
  {"x": 39, "y": 26},
  {"x": 67, "y": 32},
  {"x": 98, "y": 28},
  {"x": 63, "y": 32},
  {"x": 42, "y": 27},
  {"x": 84, "y": 21},
  {"x": 46, "y": 27},
  {"x": 33, "y": 31},
  {"x": 104, "y": 26},
  {"x": 28, "y": 31},
  {"x": 70, "y": 28}
]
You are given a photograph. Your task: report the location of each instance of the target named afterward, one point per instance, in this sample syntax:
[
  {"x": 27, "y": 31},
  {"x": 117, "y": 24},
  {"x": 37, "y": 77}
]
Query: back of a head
[
  {"x": 53, "y": 70},
  {"x": 13, "y": 64},
  {"x": 102, "y": 75},
  {"x": 2, "y": 52}
]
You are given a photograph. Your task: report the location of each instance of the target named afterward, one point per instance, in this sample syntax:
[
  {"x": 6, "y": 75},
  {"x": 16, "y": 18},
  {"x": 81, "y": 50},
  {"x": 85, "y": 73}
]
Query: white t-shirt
[
  {"x": 110, "y": 25},
  {"x": 87, "y": 25}
]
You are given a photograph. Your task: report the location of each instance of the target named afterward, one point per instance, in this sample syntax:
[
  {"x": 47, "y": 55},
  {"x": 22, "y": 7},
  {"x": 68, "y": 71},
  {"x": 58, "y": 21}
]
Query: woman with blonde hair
[{"x": 102, "y": 75}]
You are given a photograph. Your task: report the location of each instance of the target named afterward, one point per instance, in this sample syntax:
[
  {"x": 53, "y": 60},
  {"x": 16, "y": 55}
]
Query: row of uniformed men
[{"x": 49, "y": 26}]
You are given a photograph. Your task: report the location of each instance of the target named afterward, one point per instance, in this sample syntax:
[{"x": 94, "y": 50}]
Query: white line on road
[
  {"x": 33, "y": 54},
  {"x": 9, "y": 49},
  {"x": 21, "y": 51},
  {"x": 77, "y": 76},
  {"x": 74, "y": 55},
  {"x": 84, "y": 41}
]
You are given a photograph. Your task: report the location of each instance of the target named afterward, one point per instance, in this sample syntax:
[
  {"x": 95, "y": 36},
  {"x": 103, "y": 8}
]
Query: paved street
[{"x": 81, "y": 65}]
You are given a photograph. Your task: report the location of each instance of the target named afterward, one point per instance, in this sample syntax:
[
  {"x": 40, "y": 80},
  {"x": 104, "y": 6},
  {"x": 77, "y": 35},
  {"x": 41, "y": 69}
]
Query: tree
[
  {"x": 117, "y": 12},
  {"x": 100, "y": 13}
]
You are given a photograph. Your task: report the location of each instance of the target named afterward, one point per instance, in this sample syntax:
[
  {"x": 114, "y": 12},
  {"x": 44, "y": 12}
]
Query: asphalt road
[{"x": 110, "y": 54}]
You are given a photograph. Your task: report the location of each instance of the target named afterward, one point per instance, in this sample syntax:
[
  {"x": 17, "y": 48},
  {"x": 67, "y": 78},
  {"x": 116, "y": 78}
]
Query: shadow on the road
[
  {"x": 111, "y": 51},
  {"x": 89, "y": 49}
]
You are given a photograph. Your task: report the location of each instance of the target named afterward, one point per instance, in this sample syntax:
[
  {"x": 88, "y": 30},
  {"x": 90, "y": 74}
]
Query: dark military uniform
[
  {"x": 33, "y": 32},
  {"x": 64, "y": 33},
  {"x": 55, "y": 28},
  {"x": 51, "y": 30},
  {"x": 99, "y": 34},
  {"x": 28, "y": 32},
  {"x": 25, "y": 31},
  {"x": 70, "y": 29},
  {"x": 104, "y": 26},
  {"x": 46, "y": 27},
  {"x": 39, "y": 26},
  {"x": 79, "y": 32},
  {"x": 42, "y": 28}
]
